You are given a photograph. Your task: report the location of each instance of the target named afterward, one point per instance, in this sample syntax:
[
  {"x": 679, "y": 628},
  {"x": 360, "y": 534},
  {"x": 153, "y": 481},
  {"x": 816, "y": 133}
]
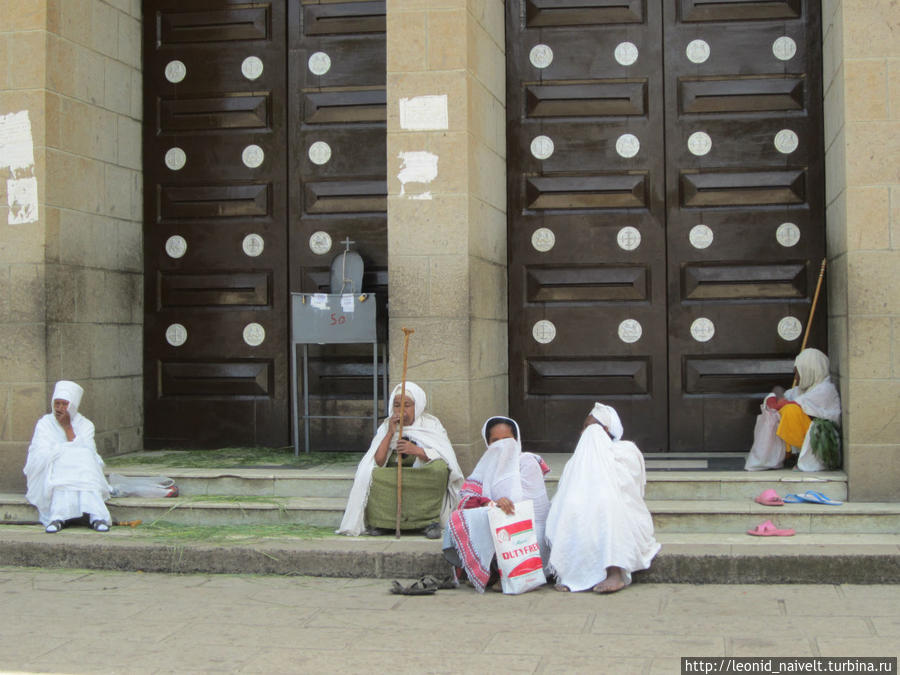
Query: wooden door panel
[
  {"x": 739, "y": 290},
  {"x": 214, "y": 389},
  {"x": 585, "y": 192}
]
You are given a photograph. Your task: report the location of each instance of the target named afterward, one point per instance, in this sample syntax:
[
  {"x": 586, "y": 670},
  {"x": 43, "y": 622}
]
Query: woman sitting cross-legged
[
  {"x": 503, "y": 476},
  {"x": 599, "y": 529},
  {"x": 431, "y": 477}
]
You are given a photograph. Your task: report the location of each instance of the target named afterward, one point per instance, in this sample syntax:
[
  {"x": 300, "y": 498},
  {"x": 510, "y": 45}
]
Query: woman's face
[
  {"x": 500, "y": 431},
  {"x": 409, "y": 409}
]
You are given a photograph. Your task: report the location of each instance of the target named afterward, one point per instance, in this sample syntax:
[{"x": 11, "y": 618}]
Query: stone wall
[
  {"x": 447, "y": 208},
  {"x": 71, "y": 298},
  {"x": 862, "y": 141}
]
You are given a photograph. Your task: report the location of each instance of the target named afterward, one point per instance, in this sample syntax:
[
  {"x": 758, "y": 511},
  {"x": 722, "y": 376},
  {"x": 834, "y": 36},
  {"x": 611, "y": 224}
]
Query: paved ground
[{"x": 70, "y": 621}]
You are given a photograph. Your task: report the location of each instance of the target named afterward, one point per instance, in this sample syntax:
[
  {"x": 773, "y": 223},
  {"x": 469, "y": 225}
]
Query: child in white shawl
[
  {"x": 424, "y": 438},
  {"x": 599, "y": 529},
  {"x": 503, "y": 476},
  {"x": 782, "y": 426},
  {"x": 63, "y": 470}
]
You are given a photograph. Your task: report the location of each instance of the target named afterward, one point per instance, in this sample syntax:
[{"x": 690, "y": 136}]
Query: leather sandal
[
  {"x": 100, "y": 526},
  {"x": 54, "y": 527}
]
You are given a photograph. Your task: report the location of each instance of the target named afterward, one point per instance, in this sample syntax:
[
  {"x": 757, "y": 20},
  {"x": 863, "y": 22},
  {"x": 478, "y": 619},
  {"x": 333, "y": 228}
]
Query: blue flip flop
[
  {"x": 819, "y": 498},
  {"x": 794, "y": 499}
]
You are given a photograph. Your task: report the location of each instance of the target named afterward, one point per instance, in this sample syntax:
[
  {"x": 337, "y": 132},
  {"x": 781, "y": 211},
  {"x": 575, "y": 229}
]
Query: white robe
[
  {"x": 428, "y": 433},
  {"x": 65, "y": 478},
  {"x": 820, "y": 400},
  {"x": 598, "y": 517}
]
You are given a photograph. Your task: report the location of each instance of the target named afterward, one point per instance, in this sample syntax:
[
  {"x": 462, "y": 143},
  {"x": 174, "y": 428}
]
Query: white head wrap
[
  {"x": 413, "y": 391},
  {"x": 609, "y": 418},
  {"x": 812, "y": 367},
  {"x": 504, "y": 420},
  {"x": 68, "y": 391}
]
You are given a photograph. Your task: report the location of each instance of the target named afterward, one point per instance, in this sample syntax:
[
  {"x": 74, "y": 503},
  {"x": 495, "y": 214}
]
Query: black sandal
[
  {"x": 54, "y": 527},
  {"x": 427, "y": 585}
]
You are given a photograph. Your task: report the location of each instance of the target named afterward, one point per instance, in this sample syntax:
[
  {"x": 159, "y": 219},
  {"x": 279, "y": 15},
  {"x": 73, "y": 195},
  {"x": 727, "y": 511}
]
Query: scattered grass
[
  {"x": 232, "y": 458},
  {"x": 174, "y": 533}
]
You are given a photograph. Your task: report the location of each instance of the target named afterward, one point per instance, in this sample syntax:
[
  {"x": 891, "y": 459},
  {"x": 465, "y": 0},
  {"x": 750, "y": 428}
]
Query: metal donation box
[{"x": 343, "y": 316}]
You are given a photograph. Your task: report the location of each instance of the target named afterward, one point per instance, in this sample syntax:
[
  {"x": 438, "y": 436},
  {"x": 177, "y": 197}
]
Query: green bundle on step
[{"x": 825, "y": 442}]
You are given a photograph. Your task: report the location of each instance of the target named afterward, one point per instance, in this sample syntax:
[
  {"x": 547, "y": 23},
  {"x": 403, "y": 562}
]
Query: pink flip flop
[
  {"x": 767, "y": 529},
  {"x": 769, "y": 498}
]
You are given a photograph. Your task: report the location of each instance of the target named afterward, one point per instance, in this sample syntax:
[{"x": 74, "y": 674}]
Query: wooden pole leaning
[
  {"x": 406, "y": 333},
  {"x": 812, "y": 309}
]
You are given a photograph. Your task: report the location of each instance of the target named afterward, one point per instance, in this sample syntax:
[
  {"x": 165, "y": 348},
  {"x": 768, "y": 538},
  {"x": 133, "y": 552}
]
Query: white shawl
[
  {"x": 427, "y": 432},
  {"x": 598, "y": 517},
  {"x": 55, "y": 462}
]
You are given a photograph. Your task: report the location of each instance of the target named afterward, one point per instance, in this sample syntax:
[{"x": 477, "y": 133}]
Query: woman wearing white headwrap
[
  {"x": 63, "y": 470},
  {"x": 807, "y": 418},
  {"x": 503, "y": 476},
  {"x": 430, "y": 486},
  {"x": 599, "y": 529}
]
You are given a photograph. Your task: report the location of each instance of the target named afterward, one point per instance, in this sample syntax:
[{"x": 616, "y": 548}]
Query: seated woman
[
  {"x": 599, "y": 529},
  {"x": 63, "y": 470},
  {"x": 430, "y": 483},
  {"x": 503, "y": 476},
  {"x": 803, "y": 419}
]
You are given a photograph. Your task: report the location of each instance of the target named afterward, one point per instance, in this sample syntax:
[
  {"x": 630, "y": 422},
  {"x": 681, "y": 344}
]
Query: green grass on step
[
  {"x": 230, "y": 458},
  {"x": 181, "y": 534}
]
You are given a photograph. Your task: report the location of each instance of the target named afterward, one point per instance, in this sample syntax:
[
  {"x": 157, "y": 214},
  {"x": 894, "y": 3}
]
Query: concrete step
[
  {"x": 669, "y": 516},
  {"x": 335, "y": 482},
  {"x": 685, "y": 558}
]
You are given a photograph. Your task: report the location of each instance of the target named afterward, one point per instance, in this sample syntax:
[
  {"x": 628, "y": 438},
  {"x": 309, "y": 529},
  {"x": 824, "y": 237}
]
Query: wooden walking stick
[
  {"x": 812, "y": 310},
  {"x": 406, "y": 333}
]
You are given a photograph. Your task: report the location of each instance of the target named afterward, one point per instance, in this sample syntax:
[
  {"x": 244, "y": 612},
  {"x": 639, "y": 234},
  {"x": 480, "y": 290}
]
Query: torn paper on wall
[
  {"x": 17, "y": 155},
  {"x": 417, "y": 167},
  {"x": 424, "y": 113},
  {"x": 22, "y": 197}
]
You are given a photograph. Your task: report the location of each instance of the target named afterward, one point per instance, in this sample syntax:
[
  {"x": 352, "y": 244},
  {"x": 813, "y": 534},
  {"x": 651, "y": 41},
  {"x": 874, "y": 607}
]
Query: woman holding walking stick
[{"x": 430, "y": 483}]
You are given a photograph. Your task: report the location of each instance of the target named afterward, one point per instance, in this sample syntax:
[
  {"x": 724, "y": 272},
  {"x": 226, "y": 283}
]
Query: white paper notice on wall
[
  {"x": 319, "y": 301},
  {"x": 347, "y": 303},
  {"x": 17, "y": 155},
  {"x": 417, "y": 167},
  {"x": 16, "y": 143},
  {"x": 22, "y": 197},
  {"x": 424, "y": 113}
]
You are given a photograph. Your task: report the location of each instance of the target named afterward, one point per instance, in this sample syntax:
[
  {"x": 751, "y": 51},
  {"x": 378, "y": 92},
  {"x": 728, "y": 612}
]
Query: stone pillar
[
  {"x": 862, "y": 141},
  {"x": 446, "y": 144},
  {"x": 71, "y": 298}
]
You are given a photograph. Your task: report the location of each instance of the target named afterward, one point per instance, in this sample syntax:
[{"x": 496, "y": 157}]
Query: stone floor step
[
  {"x": 669, "y": 516},
  {"x": 336, "y": 480},
  {"x": 684, "y": 558}
]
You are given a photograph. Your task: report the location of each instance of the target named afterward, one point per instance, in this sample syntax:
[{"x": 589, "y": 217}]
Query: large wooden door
[
  {"x": 744, "y": 208},
  {"x": 667, "y": 283},
  {"x": 263, "y": 140}
]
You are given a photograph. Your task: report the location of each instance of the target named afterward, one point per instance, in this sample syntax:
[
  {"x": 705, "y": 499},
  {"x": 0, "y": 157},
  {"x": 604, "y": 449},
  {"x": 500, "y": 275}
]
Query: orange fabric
[{"x": 793, "y": 426}]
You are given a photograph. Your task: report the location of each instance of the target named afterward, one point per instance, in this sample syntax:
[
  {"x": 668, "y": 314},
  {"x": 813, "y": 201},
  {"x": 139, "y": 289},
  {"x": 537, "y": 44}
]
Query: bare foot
[
  {"x": 615, "y": 581},
  {"x": 562, "y": 588}
]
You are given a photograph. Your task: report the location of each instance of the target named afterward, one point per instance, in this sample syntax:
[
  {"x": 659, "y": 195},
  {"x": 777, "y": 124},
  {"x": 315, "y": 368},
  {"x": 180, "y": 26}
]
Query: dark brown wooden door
[
  {"x": 587, "y": 244},
  {"x": 234, "y": 101},
  {"x": 745, "y": 208},
  {"x": 730, "y": 236}
]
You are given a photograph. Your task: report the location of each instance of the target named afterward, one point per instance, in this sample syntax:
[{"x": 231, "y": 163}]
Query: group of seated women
[{"x": 593, "y": 535}]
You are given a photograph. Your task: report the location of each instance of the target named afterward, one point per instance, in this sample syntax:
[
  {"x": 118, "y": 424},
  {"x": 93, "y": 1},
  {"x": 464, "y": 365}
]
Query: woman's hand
[
  {"x": 506, "y": 506},
  {"x": 405, "y": 447}
]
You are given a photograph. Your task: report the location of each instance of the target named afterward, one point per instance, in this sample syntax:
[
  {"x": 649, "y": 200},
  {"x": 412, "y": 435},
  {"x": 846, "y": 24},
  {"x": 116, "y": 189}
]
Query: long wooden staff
[
  {"x": 406, "y": 333},
  {"x": 812, "y": 310}
]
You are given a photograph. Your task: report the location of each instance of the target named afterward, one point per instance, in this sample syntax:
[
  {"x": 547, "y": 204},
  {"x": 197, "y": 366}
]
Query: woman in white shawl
[
  {"x": 63, "y": 470},
  {"x": 599, "y": 529},
  {"x": 425, "y": 439},
  {"x": 503, "y": 476},
  {"x": 805, "y": 417}
]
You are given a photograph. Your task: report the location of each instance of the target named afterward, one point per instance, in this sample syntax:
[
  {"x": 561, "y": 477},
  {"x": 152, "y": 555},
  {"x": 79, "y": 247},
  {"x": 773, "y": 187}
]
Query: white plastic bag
[
  {"x": 141, "y": 486},
  {"x": 516, "y": 545},
  {"x": 768, "y": 450}
]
